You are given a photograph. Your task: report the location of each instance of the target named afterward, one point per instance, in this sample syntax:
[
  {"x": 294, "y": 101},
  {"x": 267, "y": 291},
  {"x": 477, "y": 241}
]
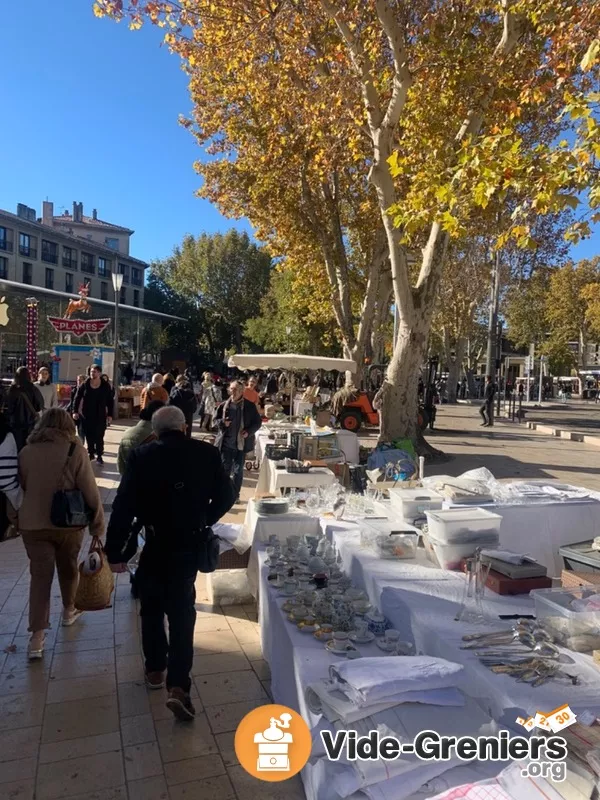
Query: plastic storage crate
[
  {"x": 464, "y": 526},
  {"x": 577, "y": 630}
]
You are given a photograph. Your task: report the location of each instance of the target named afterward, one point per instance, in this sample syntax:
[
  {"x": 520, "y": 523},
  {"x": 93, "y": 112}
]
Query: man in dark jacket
[
  {"x": 176, "y": 487},
  {"x": 237, "y": 420},
  {"x": 487, "y": 407},
  {"x": 94, "y": 405},
  {"x": 183, "y": 397}
]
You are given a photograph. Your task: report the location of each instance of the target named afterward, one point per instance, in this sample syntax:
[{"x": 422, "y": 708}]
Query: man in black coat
[
  {"x": 237, "y": 420},
  {"x": 175, "y": 487},
  {"x": 182, "y": 395},
  {"x": 94, "y": 405},
  {"x": 487, "y": 407}
]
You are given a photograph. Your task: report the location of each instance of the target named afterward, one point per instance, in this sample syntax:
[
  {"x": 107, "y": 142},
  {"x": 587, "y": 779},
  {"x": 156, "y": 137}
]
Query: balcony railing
[
  {"x": 29, "y": 252},
  {"x": 49, "y": 258},
  {"x": 89, "y": 268},
  {"x": 69, "y": 263},
  {"x": 6, "y": 245}
]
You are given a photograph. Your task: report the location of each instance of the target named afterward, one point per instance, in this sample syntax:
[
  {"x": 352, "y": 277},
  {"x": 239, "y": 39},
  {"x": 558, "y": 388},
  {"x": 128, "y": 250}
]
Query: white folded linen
[
  {"x": 324, "y": 697},
  {"x": 367, "y": 681},
  {"x": 343, "y": 778},
  {"x": 230, "y": 535}
]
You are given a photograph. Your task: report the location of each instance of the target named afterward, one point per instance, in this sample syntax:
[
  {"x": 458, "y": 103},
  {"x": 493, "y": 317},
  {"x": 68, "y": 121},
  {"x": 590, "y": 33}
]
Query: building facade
[
  {"x": 47, "y": 259},
  {"x": 63, "y": 252}
]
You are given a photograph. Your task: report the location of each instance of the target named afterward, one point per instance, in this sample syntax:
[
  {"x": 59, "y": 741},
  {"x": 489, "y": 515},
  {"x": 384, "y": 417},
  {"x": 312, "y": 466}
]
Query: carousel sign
[{"x": 79, "y": 327}]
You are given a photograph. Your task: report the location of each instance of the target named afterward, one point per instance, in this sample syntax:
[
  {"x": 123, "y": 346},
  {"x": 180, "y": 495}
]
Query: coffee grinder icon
[{"x": 273, "y": 746}]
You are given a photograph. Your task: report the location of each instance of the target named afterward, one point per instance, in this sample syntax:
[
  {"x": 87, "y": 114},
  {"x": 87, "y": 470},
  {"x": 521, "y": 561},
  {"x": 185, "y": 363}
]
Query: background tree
[{"x": 221, "y": 278}]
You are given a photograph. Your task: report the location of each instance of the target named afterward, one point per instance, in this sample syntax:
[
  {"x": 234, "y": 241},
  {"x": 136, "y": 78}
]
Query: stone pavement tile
[
  {"x": 142, "y": 761},
  {"x": 19, "y": 790},
  {"x": 15, "y": 605},
  {"x": 133, "y": 699},
  {"x": 127, "y": 623},
  {"x": 267, "y": 687},
  {"x": 137, "y": 730},
  {"x": 80, "y": 718},
  {"x": 179, "y": 741},
  {"x": 205, "y": 610},
  {"x": 82, "y": 631},
  {"x": 114, "y": 793},
  {"x": 222, "y": 641},
  {"x": 105, "y": 642},
  {"x": 91, "y": 619},
  {"x": 79, "y": 776},
  {"x": 209, "y": 623},
  {"x": 223, "y": 662},
  {"x": 19, "y": 770},
  {"x": 19, "y": 743},
  {"x": 21, "y": 710},
  {"x": 253, "y": 650},
  {"x": 227, "y": 717},
  {"x": 234, "y": 612},
  {"x": 232, "y": 687},
  {"x": 61, "y": 691},
  {"x": 194, "y": 769},
  {"x": 130, "y": 668},
  {"x": 128, "y": 644},
  {"x": 218, "y": 788},
  {"x": 9, "y": 623},
  {"x": 18, "y": 660},
  {"x": 246, "y": 632},
  {"x": 262, "y": 670},
  {"x": 23, "y": 629},
  {"x": 83, "y": 664},
  {"x": 23, "y": 682},
  {"x": 225, "y": 743},
  {"x": 148, "y": 789},
  {"x": 247, "y": 786},
  {"x": 80, "y": 747}
]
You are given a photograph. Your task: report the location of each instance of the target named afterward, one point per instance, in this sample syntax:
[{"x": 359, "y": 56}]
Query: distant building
[
  {"x": 49, "y": 258},
  {"x": 61, "y": 252}
]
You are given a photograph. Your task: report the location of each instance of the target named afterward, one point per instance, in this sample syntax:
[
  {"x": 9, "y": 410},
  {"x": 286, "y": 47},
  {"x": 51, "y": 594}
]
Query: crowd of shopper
[{"x": 173, "y": 486}]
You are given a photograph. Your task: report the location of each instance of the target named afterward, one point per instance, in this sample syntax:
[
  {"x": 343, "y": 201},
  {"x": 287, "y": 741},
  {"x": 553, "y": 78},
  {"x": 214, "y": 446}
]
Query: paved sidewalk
[{"x": 82, "y": 725}]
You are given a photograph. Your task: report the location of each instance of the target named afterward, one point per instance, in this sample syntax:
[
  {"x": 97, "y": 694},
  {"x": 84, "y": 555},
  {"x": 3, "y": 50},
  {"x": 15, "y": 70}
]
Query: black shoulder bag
[
  {"x": 206, "y": 543},
  {"x": 69, "y": 509}
]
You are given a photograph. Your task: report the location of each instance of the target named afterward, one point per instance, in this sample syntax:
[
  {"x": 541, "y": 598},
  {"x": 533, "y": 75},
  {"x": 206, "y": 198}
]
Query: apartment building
[{"x": 61, "y": 252}]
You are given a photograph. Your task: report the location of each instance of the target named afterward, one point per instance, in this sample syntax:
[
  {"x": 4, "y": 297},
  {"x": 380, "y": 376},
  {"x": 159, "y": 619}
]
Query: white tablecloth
[
  {"x": 272, "y": 480},
  {"x": 298, "y": 659},
  {"x": 421, "y": 601}
]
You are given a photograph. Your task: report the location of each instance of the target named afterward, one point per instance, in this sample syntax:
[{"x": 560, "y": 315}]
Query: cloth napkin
[
  {"x": 325, "y": 698},
  {"x": 367, "y": 681}
]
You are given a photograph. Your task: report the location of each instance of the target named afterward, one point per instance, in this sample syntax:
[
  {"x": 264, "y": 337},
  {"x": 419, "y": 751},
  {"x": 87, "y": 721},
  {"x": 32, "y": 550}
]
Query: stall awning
[{"x": 291, "y": 361}]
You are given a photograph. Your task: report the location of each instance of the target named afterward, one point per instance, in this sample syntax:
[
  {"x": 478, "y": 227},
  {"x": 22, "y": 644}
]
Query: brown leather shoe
[
  {"x": 155, "y": 680},
  {"x": 180, "y": 704}
]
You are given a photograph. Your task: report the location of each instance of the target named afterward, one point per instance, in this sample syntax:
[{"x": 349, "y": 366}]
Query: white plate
[
  {"x": 367, "y": 639},
  {"x": 338, "y": 651}
]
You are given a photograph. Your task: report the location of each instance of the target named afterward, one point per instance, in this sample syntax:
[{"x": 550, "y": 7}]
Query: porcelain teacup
[
  {"x": 360, "y": 627},
  {"x": 340, "y": 639},
  {"x": 391, "y": 636},
  {"x": 290, "y": 586}
]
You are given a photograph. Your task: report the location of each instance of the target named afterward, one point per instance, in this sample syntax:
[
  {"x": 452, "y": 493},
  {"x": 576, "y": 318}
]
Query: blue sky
[{"x": 90, "y": 113}]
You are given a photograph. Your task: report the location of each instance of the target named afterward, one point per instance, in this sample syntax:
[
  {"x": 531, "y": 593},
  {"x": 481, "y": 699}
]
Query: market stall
[{"x": 360, "y": 590}]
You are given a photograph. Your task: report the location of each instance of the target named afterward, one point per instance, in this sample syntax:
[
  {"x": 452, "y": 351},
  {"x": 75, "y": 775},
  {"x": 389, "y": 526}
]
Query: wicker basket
[
  {"x": 231, "y": 559},
  {"x": 571, "y": 579},
  {"x": 94, "y": 591}
]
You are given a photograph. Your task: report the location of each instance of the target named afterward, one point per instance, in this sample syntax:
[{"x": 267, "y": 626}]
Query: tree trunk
[
  {"x": 399, "y": 409},
  {"x": 455, "y": 370}
]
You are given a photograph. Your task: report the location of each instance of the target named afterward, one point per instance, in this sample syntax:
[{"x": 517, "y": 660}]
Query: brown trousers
[{"x": 45, "y": 550}]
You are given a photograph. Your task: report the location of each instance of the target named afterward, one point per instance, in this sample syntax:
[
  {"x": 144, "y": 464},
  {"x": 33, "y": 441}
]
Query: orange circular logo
[{"x": 273, "y": 743}]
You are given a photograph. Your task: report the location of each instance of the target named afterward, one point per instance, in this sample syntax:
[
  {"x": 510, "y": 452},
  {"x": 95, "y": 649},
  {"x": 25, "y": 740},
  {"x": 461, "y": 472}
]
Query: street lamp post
[{"x": 117, "y": 282}]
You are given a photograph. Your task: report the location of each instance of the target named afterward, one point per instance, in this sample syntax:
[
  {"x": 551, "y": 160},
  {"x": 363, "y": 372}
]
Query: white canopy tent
[{"x": 291, "y": 361}]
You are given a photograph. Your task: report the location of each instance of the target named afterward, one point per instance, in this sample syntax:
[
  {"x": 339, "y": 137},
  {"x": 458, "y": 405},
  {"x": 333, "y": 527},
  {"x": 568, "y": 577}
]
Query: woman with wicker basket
[{"x": 53, "y": 459}]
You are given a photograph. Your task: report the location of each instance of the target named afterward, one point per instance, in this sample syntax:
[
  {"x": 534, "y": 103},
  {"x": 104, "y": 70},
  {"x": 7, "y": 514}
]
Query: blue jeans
[{"x": 233, "y": 464}]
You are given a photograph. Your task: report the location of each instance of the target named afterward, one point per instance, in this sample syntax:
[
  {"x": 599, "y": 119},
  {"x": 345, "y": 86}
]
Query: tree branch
[{"x": 402, "y": 77}]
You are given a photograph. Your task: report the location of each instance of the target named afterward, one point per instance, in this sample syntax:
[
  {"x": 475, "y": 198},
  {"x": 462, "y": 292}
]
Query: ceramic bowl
[
  {"x": 355, "y": 594},
  {"x": 361, "y": 607}
]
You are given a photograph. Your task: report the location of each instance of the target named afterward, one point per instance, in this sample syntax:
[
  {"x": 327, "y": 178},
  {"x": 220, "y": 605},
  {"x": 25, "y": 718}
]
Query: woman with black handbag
[{"x": 60, "y": 497}]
